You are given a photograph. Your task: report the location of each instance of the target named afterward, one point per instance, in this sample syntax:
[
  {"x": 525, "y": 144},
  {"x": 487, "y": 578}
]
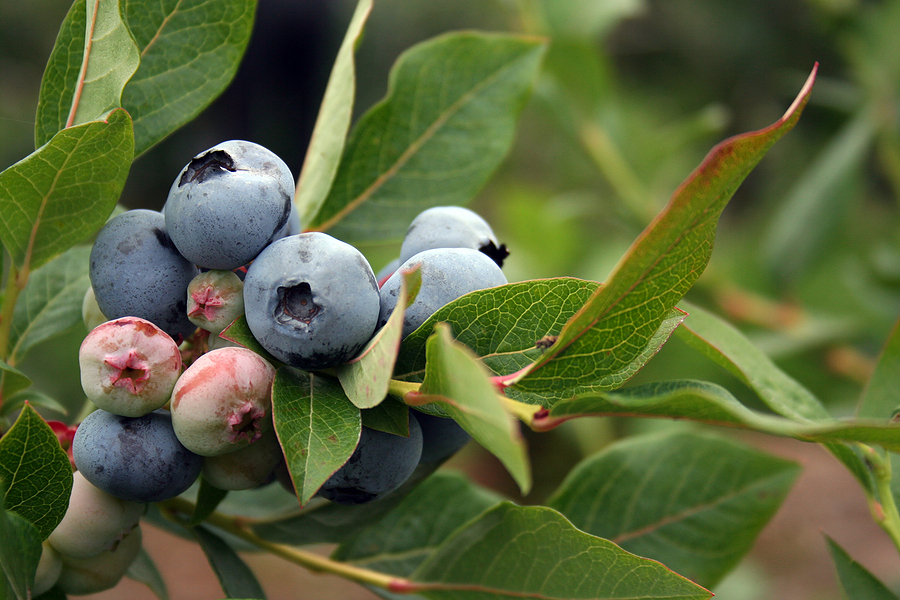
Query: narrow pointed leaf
[
  {"x": 399, "y": 542},
  {"x": 239, "y": 333},
  {"x": 51, "y": 302},
  {"x": 366, "y": 378},
  {"x": 13, "y": 381},
  {"x": 446, "y": 124},
  {"x": 144, "y": 570},
  {"x": 190, "y": 52},
  {"x": 234, "y": 575},
  {"x": 694, "y": 502},
  {"x": 706, "y": 402},
  {"x": 534, "y": 552},
  {"x": 881, "y": 396},
  {"x": 461, "y": 384},
  {"x": 20, "y": 550},
  {"x": 664, "y": 261},
  {"x": 856, "y": 580},
  {"x": 208, "y": 498},
  {"x": 37, "y": 472},
  {"x": 64, "y": 191},
  {"x": 330, "y": 132},
  {"x": 317, "y": 425}
]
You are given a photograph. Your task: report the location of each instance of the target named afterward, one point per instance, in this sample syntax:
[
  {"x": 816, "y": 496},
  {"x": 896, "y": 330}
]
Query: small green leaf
[
  {"x": 239, "y": 333},
  {"x": 446, "y": 124},
  {"x": 208, "y": 498},
  {"x": 391, "y": 416},
  {"x": 317, "y": 425},
  {"x": 190, "y": 51},
  {"x": 366, "y": 378},
  {"x": 51, "y": 302},
  {"x": 881, "y": 396},
  {"x": 34, "y": 397},
  {"x": 13, "y": 381},
  {"x": 37, "y": 472},
  {"x": 20, "y": 549},
  {"x": 144, "y": 570},
  {"x": 456, "y": 379},
  {"x": 234, "y": 575},
  {"x": 856, "y": 581},
  {"x": 586, "y": 19},
  {"x": 330, "y": 132},
  {"x": 399, "y": 542},
  {"x": 662, "y": 263},
  {"x": 694, "y": 502},
  {"x": 64, "y": 191},
  {"x": 516, "y": 552}
]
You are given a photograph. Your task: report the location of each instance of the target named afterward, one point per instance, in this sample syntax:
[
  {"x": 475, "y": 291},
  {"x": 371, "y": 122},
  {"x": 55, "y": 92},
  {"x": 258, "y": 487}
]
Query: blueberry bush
[{"x": 251, "y": 383}]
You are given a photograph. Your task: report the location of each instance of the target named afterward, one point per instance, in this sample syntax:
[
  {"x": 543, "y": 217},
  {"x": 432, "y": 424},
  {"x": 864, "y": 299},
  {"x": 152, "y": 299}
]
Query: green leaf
[
  {"x": 51, "y": 302},
  {"x": 391, "y": 416},
  {"x": 190, "y": 51},
  {"x": 399, "y": 542},
  {"x": 730, "y": 349},
  {"x": 856, "y": 581},
  {"x": 661, "y": 265},
  {"x": 37, "y": 472},
  {"x": 107, "y": 59},
  {"x": 144, "y": 570},
  {"x": 239, "y": 333},
  {"x": 11, "y": 381},
  {"x": 208, "y": 498},
  {"x": 456, "y": 379},
  {"x": 330, "y": 132},
  {"x": 64, "y": 191},
  {"x": 586, "y": 18},
  {"x": 446, "y": 124},
  {"x": 234, "y": 575},
  {"x": 515, "y": 552},
  {"x": 60, "y": 76},
  {"x": 366, "y": 378},
  {"x": 694, "y": 502},
  {"x": 317, "y": 426},
  {"x": 881, "y": 396},
  {"x": 706, "y": 402},
  {"x": 34, "y": 397},
  {"x": 20, "y": 550}
]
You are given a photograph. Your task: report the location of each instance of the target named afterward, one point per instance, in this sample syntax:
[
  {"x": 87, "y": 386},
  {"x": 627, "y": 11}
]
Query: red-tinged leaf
[{"x": 662, "y": 264}]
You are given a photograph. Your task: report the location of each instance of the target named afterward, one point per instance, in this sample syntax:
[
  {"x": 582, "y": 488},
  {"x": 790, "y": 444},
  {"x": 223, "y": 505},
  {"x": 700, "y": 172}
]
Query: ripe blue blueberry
[
  {"x": 229, "y": 203},
  {"x": 441, "y": 438},
  {"x": 379, "y": 465},
  {"x": 447, "y": 274},
  {"x": 451, "y": 227},
  {"x": 137, "y": 459},
  {"x": 136, "y": 271},
  {"x": 311, "y": 300}
]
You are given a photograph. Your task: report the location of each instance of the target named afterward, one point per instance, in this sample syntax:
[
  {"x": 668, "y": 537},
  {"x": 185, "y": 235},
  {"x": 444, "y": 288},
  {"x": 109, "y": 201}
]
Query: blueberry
[
  {"x": 137, "y": 459},
  {"x": 381, "y": 463},
  {"x": 222, "y": 402},
  {"x": 246, "y": 468},
  {"x": 311, "y": 300},
  {"x": 136, "y": 271},
  {"x": 128, "y": 366},
  {"x": 229, "y": 203},
  {"x": 447, "y": 274},
  {"x": 451, "y": 227},
  {"x": 82, "y": 576},
  {"x": 441, "y": 438}
]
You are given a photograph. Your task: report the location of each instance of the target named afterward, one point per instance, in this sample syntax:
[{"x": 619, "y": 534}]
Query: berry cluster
[{"x": 228, "y": 243}]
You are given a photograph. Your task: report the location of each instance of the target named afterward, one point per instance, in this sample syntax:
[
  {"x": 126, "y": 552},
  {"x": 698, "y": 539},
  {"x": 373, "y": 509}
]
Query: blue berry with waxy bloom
[
  {"x": 311, "y": 300},
  {"x": 447, "y": 274},
  {"x": 134, "y": 458},
  {"x": 229, "y": 203},
  {"x": 451, "y": 227},
  {"x": 136, "y": 271}
]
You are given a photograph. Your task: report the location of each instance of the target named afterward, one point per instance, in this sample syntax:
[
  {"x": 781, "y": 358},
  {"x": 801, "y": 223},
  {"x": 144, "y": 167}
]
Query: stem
[
  {"x": 401, "y": 388},
  {"x": 313, "y": 562},
  {"x": 884, "y": 512}
]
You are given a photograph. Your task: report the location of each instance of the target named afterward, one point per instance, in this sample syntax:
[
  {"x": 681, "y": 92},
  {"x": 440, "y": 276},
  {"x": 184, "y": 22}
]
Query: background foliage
[{"x": 632, "y": 95}]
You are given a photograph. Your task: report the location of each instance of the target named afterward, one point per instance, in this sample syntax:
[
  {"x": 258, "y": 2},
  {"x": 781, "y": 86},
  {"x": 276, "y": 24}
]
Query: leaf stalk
[{"x": 884, "y": 508}]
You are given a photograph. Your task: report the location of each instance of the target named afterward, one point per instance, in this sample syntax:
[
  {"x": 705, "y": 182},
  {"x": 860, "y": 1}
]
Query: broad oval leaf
[
  {"x": 455, "y": 379},
  {"x": 317, "y": 426},
  {"x": 51, "y": 302},
  {"x": 37, "y": 472},
  {"x": 665, "y": 260},
  {"x": 20, "y": 550},
  {"x": 446, "y": 124},
  {"x": 92, "y": 60},
  {"x": 330, "y": 132},
  {"x": 694, "y": 502},
  {"x": 534, "y": 552},
  {"x": 190, "y": 51},
  {"x": 64, "y": 191}
]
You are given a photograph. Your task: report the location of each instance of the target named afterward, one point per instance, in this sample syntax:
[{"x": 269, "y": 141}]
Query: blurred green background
[{"x": 632, "y": 96}]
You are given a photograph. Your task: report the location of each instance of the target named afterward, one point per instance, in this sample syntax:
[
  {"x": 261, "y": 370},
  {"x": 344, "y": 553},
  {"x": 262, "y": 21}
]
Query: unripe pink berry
[
  {"x": 222, "y": 402},
  {"x": 129, "y": 366},
  {"x": 215, "y": 299}
]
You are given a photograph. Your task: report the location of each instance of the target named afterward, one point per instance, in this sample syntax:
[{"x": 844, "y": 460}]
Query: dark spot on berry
[
  {"x": 163, "y": 239},
  {"x": 206, "y": 166},
  {"x": 496, "y": 254}
]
